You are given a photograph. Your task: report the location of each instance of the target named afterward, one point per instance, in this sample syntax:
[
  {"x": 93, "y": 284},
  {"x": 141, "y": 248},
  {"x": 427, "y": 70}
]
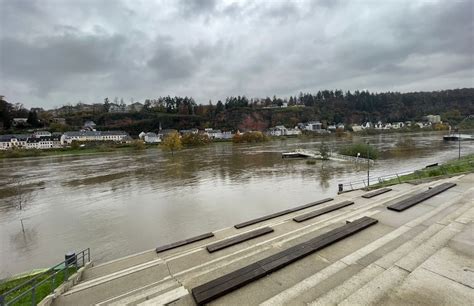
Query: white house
[
  {"x": 82, "y": 136},
  {"x": 423, "y": 125},
  {"x": 433, "y": 118},
  {"x": 89, "y": 125},
  {"x": 218, "y": 134},
  {"x": 46, "y": 142},
  {"x": 398, "y": 125},
  {"x": 293, "y": 132},
  {"x": 19, "y": 121},
  {"x": 149, "y": 137},
  {"x": 189, "y": 131},
  {"x": 312, "y": 126},
  {"x": 39, "y": 134},
  {"x": 12, "y": 141},
  {"x": 356, "y": 128},
  {"x": 279, "y": 130}
]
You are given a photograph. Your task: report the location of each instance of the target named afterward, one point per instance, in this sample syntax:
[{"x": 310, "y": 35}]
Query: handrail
[
  {"x": 33, "y": 283},
  {"x": 381, "y": 179}
]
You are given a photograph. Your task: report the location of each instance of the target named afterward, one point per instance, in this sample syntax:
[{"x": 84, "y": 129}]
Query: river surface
[{"x": 121, "y": 203}]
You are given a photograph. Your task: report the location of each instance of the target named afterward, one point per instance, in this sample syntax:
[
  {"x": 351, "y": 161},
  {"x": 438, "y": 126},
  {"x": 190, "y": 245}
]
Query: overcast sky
[{"x": 55, "y": 52}]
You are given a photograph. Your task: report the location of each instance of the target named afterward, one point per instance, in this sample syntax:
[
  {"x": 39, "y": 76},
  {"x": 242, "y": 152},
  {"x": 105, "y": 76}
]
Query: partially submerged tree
[
  {"x": 172, "y": 142},
  {"x": 324, "y": 151},
  {"x": 21, "y": 195}
]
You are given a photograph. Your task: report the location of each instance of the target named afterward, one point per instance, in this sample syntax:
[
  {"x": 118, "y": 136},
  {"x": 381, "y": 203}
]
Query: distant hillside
[{"x": 242, "y": 113}]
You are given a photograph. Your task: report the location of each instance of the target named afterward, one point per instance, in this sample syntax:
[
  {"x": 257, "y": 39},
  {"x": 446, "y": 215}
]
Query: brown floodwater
[{"x": 122, "y": 203}]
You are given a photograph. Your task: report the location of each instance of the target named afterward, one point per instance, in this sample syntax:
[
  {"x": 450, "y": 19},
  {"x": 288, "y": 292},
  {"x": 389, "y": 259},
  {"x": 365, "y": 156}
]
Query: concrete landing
[{"x": 423, "y": 255}]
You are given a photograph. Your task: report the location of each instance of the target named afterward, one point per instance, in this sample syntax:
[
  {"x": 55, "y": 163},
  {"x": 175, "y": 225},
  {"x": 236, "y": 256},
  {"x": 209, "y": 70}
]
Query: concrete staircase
[{"x": 421, "y": 255}]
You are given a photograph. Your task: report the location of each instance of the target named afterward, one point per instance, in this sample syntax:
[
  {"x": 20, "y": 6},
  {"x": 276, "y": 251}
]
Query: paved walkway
[{"x": 423, "y": 255}]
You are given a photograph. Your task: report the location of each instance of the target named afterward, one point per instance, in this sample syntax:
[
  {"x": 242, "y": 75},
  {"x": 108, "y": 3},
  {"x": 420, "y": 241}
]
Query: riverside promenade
[{"x": 422, "y": 254}]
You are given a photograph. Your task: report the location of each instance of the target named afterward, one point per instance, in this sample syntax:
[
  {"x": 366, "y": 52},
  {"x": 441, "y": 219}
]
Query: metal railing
[
  {"x": 397, "y": 177},
  {"x": 354, "y": 159},
  {"x": 47, "y": 279},
  {"x": 353, "y": 185}
]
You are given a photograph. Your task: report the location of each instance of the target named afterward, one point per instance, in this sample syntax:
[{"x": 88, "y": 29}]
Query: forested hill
[{"x": 242, "y": 113}]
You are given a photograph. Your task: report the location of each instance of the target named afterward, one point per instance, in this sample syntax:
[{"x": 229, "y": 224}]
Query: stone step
[
  {"x": 166, "y": 298},
  {"x": 387, "y": 281},
  {"x": 113, "y": 266},
  {"x": 354, "y": 283},
  {"x": 308, "y": 284},
  {"x": 445, "y": 278},
  {"x": 141, "y": 294},
  {"x": 109, "y": 286}
]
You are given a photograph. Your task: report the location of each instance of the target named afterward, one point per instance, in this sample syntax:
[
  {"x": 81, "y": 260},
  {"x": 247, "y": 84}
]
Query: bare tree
[{"x": 21, "y": 194}]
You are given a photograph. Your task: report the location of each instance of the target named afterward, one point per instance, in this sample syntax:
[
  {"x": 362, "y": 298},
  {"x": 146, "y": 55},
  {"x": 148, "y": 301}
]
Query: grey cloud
[
  {"x": 173, "y": 61},
  {"x": 284, "y": 11},
  {"x": 48, "y": 60},
  {"x": 210, "y": 49},
  {"x": 197, "y": 7}
]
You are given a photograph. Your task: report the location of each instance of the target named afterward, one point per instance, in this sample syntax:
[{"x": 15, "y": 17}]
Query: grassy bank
[
  {"x": 41, "y": 291},
  {"x": 464, "y": 165},
  {"x": 103, "y": 148}
]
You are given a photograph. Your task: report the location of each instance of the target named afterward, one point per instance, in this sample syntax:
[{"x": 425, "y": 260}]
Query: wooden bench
[
  {"x": 183, "y": 242},
  {"x": 281, "y": 213},
  {"x": 322, "y": 211},
  {"x": 229, "y": 282},
  {"x": 418, "y": 198},
  {"x": 376, "y": 193},
  {"x": 238, "y": 239}
]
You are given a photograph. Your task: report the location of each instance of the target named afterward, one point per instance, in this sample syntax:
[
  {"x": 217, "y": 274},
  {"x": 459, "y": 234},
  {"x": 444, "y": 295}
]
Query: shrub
[
  {"x": 195, "y": 139},
  {"x": 361, "y": 148},
  {"x": 138, "y": 145},
  {"x": 250, "y": 137}
]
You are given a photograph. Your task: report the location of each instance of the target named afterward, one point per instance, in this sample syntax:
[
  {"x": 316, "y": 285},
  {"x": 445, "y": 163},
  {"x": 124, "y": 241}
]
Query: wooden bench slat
[
  {"x": 418, "y": 198},
  {"x": 281, "y": 213},
  {"x": 301, "y": 207},
  {"x": 376, "y": 193},
  {"x": 264, "y": 218},
  {"x": 322, "y": 211},
  {"x": 220, "y": 286},
  {"x": 238, "y": 239},
  {"x": 183, "y": 242}
]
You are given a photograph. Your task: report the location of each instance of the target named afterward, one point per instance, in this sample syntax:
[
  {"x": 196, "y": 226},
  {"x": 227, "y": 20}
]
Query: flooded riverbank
[{"x": 126, "y": 202}]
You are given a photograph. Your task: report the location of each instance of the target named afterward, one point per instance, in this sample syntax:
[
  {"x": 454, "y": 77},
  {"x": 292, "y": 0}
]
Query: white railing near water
[
  {"x": 332, "y": 156},
  {"x": 359, "y": 184},
  {"x": 336, "y": 156}
]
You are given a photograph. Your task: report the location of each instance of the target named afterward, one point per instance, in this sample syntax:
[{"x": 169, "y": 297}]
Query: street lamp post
[
  {"x": 368, "y": 166},
  {"x": 459, "y": 144}
]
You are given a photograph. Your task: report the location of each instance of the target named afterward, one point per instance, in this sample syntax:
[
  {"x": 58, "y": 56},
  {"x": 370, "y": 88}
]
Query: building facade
[{"x": 84, "y": 136}]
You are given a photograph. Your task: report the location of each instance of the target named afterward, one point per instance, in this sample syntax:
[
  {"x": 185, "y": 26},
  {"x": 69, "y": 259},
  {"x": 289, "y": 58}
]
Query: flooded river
[{"x": 122, "y": 203}]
